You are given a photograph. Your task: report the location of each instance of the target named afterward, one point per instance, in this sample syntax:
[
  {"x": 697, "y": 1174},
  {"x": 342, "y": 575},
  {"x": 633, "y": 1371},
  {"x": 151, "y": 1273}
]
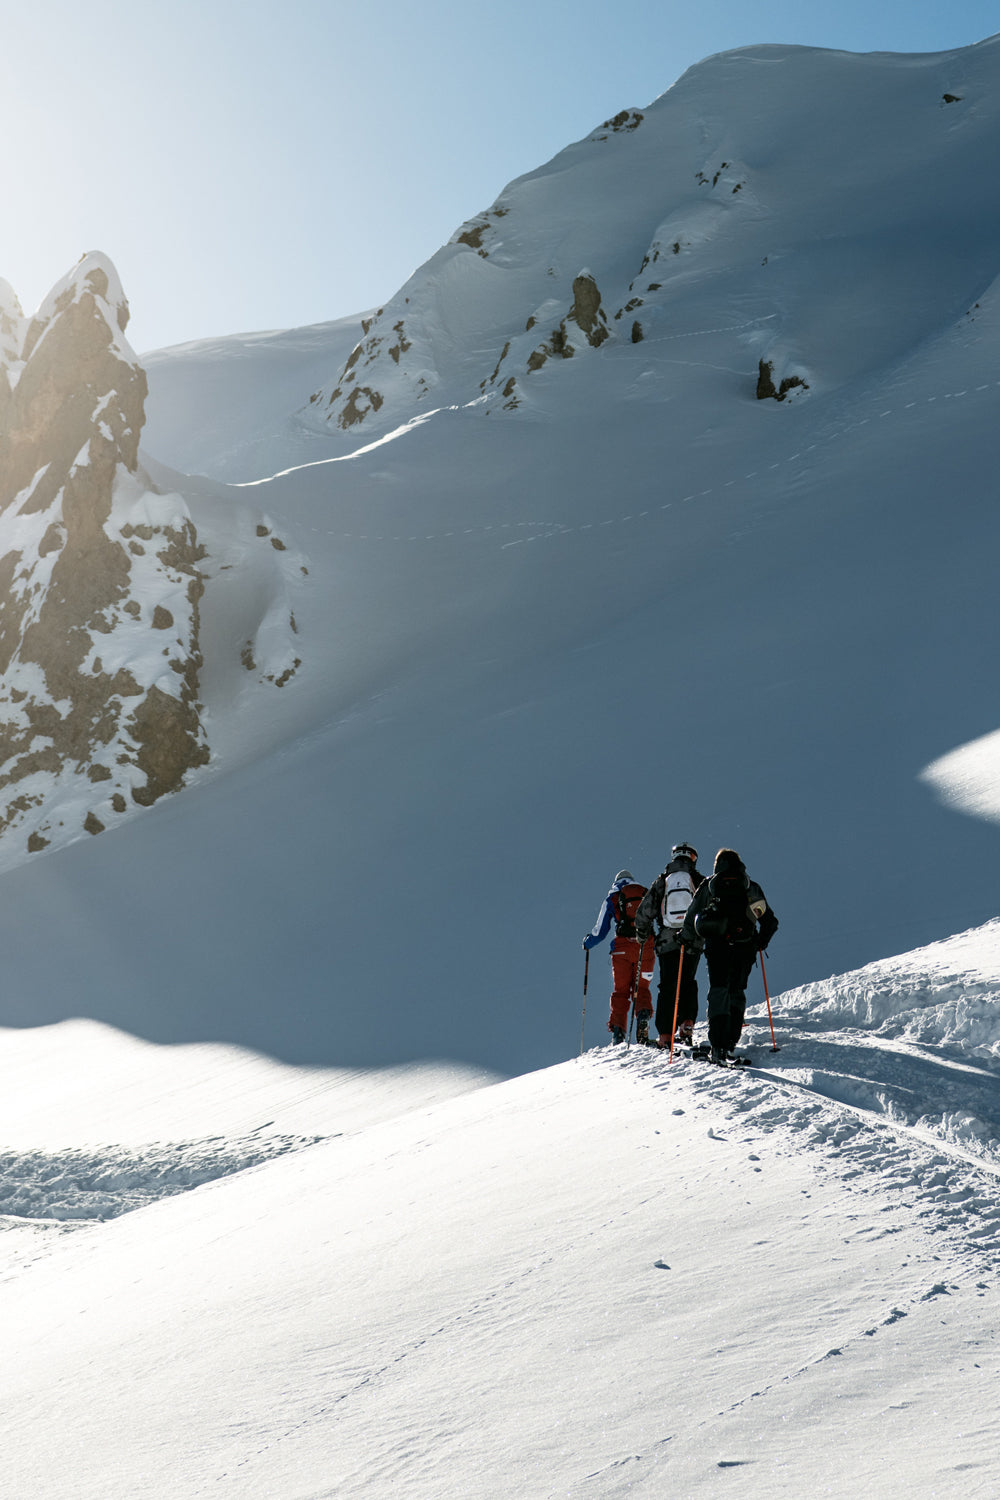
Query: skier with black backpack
[
  {"x": 631, "y": 961},
  {"x": 665, "y": 906},
  {"x": 730, "y": 915}
]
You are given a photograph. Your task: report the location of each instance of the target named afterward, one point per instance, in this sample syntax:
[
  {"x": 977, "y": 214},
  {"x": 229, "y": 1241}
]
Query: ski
[
  {"x": 703, "y": 1053},
  {"x": 701, "y": 1050}
]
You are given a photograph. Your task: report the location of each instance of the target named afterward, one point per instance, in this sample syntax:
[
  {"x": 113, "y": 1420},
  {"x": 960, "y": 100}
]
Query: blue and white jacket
[{"x": 607, "y": 915}]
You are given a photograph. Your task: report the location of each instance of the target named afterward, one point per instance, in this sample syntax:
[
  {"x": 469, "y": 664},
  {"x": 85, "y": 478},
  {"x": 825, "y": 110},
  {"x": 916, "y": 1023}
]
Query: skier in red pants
[{"x": 628, "y": 956}]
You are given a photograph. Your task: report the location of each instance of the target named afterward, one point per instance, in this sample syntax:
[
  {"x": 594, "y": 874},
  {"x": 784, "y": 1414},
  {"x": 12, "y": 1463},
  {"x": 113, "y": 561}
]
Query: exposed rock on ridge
[
  {"x": 502, "y": 285},
  {"x": 99, "y": 611},
  {"x": 729, "y": 212}
]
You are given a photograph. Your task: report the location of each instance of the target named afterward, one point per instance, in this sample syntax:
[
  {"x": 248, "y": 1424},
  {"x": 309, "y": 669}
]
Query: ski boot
[{"x": 642, "y": 1027}]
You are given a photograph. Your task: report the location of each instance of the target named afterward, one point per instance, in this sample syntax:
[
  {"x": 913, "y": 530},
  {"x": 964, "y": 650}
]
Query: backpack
[
  {"x": 678, "y": 889},
  {"x": 728, "y": 913},
  {"x": 625, "y": 903}
]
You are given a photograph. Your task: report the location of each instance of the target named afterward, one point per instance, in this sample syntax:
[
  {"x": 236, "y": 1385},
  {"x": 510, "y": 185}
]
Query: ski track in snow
[
  {"x": 546, "y": 530},
  {"x": 845, "y": 1346},
  {"x": 906, "y": 1172},
  {"x": 873, "y": 1135},
  {"x": 486, "y": 1309}
]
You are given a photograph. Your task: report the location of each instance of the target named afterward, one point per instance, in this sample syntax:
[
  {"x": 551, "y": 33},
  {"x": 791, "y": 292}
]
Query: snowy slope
[
  {"x": 615, "y": 1276},
  {"x": 863, "y": 183},
  {"x": 538, "y": 641},
  {"x": 641, "y": 605},
  {"x": 95, "y": 1123},
  {"x": 222, "y": 406}
]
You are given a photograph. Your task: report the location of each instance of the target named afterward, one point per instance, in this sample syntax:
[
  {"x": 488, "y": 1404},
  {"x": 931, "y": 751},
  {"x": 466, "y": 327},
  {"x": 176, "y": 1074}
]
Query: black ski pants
[
  {"x": 666, "y": 995},
  {"x": 729, "y": 966}
]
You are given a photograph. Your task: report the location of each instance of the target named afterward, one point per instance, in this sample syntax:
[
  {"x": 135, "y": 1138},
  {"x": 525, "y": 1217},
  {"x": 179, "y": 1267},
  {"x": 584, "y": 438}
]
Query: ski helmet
[
  {"x": 622, "y": 877},
  {"x": 685, "y": 851}
]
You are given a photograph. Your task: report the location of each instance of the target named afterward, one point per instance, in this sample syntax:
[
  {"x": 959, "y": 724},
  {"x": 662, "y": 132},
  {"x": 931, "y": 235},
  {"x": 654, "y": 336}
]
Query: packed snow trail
[{"x": 887, "y": 1121}]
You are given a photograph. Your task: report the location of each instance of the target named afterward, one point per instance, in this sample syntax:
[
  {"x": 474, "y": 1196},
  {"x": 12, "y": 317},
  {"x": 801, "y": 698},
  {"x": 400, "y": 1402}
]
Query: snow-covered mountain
[
  {"x": 533, "y": 642},
  {"x": 707, "y": 552},
  {"x": 842, "y": 219}
]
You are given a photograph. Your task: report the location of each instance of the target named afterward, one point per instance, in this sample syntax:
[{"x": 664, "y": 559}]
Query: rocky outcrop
[
  {"x": 99, "y": 619},
  {"x": 479, "y": 231},
  {"x": 352, "y": 400},
  {"x": 767, "y": 390},
  {"x": 590, "y": 319},
  {"x": 587, "y": 312},
  {"x": 625, "y": 119}
]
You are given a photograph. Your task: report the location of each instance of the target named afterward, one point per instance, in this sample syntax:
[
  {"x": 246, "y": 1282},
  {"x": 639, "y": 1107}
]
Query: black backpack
[{"x": 728, "y": 914}]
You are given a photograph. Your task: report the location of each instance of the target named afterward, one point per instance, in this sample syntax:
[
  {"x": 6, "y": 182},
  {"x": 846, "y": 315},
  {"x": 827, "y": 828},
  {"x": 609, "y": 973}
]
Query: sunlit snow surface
[
  {"x": 617, "y": 1276},
  {"x": 94, "y": 1123},
  {"x": 538, "y": 644},
  {"x": 969, "y": 777}
]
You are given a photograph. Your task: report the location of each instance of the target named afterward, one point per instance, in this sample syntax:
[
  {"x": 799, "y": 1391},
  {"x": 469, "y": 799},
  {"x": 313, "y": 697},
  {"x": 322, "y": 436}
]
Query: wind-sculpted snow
[
  {"x": 95, "y": 1124},
  {"x": 85, "y": 1184},
  {"x": 911, "y": 1121},
  {"x": 946, "y": 994},
  {"x": 880, "y": 1123}
]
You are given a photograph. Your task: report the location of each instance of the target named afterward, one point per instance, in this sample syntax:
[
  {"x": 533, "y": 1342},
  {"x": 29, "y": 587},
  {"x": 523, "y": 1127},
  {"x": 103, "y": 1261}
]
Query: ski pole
[
  {"x": 763, "y": 975},
  {"x": 677, "y": 1001},
  {"x": 633, "y": 994},
  {"x": 583, "y": 1018}
]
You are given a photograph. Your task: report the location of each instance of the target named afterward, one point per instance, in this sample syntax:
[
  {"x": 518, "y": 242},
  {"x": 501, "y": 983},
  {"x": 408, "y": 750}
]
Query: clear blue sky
[{"x": 255, "y": 165}]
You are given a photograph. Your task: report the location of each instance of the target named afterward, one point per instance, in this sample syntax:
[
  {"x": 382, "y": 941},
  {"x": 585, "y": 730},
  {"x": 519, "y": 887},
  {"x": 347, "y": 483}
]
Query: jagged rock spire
[{"x": 99, "y": 578}]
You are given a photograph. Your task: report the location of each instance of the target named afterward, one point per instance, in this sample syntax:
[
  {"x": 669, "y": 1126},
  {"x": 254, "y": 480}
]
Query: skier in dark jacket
[
  {"x": 664, "y": 906},
  {"x": 631, "y": 961},
  {"x": 730, "y": 915}
]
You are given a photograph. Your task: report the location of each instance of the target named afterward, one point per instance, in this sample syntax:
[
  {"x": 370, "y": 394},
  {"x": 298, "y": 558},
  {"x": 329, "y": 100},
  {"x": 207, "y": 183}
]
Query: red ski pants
[{"x": 623, "y": 966}]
